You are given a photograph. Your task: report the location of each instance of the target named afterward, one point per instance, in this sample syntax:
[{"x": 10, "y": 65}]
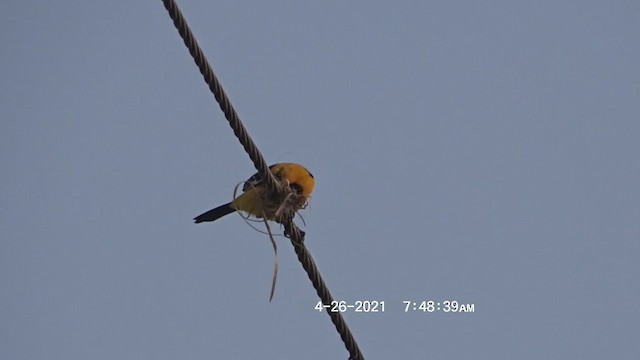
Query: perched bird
[{"x": 257, "y": 201}]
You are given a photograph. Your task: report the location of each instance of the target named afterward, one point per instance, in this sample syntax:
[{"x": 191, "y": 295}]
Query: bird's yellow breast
[
  {"x": 256, "y": 201},
  {"x": 295, "y": 174}
]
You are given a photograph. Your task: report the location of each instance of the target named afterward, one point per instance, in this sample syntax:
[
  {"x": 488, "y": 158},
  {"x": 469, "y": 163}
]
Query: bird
[{"x": 255, "y": 200}]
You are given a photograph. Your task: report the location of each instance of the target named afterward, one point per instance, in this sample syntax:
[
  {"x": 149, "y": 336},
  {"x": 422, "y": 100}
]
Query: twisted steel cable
[
  {"x": 273, "y": 185},
  {"x": 291, "y": 230},
  {"x": 297, "y": 240}
]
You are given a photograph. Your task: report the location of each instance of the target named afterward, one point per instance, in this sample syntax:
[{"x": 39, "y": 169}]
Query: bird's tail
[{"x": 215, "y": 214}]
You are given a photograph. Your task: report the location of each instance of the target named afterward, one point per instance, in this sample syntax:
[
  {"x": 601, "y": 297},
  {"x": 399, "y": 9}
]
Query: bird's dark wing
[{"x": 254, "y": 180}]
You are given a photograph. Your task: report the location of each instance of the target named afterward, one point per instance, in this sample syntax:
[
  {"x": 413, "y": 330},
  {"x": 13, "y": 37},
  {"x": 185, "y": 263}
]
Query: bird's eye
[{"x": 297, "y": 188}]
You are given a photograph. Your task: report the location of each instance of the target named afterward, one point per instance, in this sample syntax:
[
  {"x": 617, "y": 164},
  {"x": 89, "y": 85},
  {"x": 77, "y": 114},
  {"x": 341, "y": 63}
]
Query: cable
[
  {"x": 291, "y": 230},
  {"x": 297, "y": 240},
  {"x": 221, "y": 97}
]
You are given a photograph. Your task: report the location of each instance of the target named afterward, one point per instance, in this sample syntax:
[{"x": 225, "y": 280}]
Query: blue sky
[{"x": 484, "y": 152}]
